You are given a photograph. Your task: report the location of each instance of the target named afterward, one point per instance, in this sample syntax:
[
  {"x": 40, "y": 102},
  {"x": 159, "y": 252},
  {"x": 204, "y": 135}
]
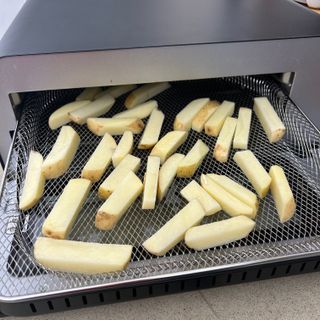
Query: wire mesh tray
[{"x": 298, "y": 153}]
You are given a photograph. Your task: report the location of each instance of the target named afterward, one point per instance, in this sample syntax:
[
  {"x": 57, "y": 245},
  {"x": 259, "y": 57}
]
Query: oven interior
[{"x": 298, "y": 153}]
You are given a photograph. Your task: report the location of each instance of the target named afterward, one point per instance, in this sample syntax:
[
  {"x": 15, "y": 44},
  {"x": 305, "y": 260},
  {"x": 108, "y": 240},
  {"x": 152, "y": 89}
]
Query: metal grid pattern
[{"x": 298, "y": 153}]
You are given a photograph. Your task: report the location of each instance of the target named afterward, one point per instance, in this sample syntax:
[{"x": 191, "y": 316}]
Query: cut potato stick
[
  {"x": 168, "y": 144},
  {"x": 95, "y": 108},
  {"x": 269, "y": 120},
  {"x": 129, "y": 163},
  {"x": 145, "y": 93},
  {"x": 229, "y": 203},
  {"x": 192, "y": 161},
  {"x": 152, "y": 131},
  {"x": 237, "y": 190},
  {"x": 126, "y": 192},
  {"x": 167, "y": 173},
  {"x": 194, "y": 191},
  {"x": 100, "y": 159},
  {"x": 62, "y": 153},
  {"x": 88, "y": 93},
  {"x": 34, "y": 182},
  {"x": 174, "y": 230},
  {"x": 114, "y": 126},
  {"x": 218, "y": 233},
  {"x": 81, "y": 257},
  {"x": 254, "y": 171},
  {"x": 241, "y": 136},
  {"x": 203, "y": 115},
  {"x": 282, "y": 194},
  {"x": 141, "y": 111},
  {"x": 213, "y": 126},
  {"x": 124, "y": 147},
  {"x": 61, "y": 117},
  {"x": 151, "y": 183},
  {"x": 117, "y": 91},
  {"x": 223, "y": 145},
  {"x": 60, "y": 220},
  {"x": 184, "y": 118}
]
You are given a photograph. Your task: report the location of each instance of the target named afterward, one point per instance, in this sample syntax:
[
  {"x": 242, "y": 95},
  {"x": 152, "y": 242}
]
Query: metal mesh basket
[{"x": 298, "y": 153}]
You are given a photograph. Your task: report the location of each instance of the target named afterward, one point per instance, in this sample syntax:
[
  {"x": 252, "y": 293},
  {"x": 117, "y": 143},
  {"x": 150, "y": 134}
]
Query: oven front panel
[{"x": 103, "y": 68}]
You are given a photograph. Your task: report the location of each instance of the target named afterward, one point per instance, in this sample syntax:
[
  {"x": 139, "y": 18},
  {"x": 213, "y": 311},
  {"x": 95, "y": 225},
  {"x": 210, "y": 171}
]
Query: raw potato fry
[
  {"x": 129, "y": 163},
  {"x": 124, "y": 147},
  {"x": 237, "y": 190},
  {"x": 61, "y": 117},
  {"x": 223, "y": 145},
  {"x": 241, "y": 136},
  {"x": 254, "y": 171},
  {"x": 167, "y": 173},
  {"x": 229, "y": 203},
  {"x": 34, "y": 182},
  {"x": 145, "y": 93},
  {"x": 174, "y": 230},
  {"x": 126, "y": 192},
  {"x": 100, "y": 159},
  {"x": 269, "y": 120},
  {"x": 215, "y": 122},
  {"x": 152, "y": 131},
  {"x": 141, "y": 111},
  {"x": 62, "y": 153},
  {"x": 95, "y": 108},
  {"x": 64, "y": 213},
  {"x": 282, "y": 194},
  {"x": 88, "y": 93},
  {"x": 168, "y": 144},
  {"x": 218, "y": 233},
  {"x": 117, "y": 91},
  {"x": 114, "y": 126},
  {"x": 203, "y": 115},
  {"x": 151, "y": 183},
  {"x": 192, "y": 161},
  {"x": 81, "y": 257},
  {"x": 194, "y": 191},
  {"x": 184, "y": 118}
]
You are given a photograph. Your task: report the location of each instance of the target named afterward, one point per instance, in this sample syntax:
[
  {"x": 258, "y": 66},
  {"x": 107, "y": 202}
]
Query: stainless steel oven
[{"x": 222, "y": 49}]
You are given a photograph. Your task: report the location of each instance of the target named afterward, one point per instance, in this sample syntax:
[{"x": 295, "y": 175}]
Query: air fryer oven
[{"x": 221, "y": 49}]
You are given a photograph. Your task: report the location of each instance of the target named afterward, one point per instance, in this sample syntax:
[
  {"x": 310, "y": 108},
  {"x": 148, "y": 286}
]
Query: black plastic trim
[
  {"x": 179, "y": 284},
  {"x": 2, "y": 162}
]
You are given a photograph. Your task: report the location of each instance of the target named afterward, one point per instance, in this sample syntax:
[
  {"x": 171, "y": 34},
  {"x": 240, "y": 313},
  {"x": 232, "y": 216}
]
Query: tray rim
[{"x": 153, "y": 279}]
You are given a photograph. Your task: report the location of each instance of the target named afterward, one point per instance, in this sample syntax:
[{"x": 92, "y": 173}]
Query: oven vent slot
[{"x": 204, "y": 282}]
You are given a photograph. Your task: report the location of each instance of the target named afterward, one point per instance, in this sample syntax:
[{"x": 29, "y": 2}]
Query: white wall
[{"x": 9, "y": 9}]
